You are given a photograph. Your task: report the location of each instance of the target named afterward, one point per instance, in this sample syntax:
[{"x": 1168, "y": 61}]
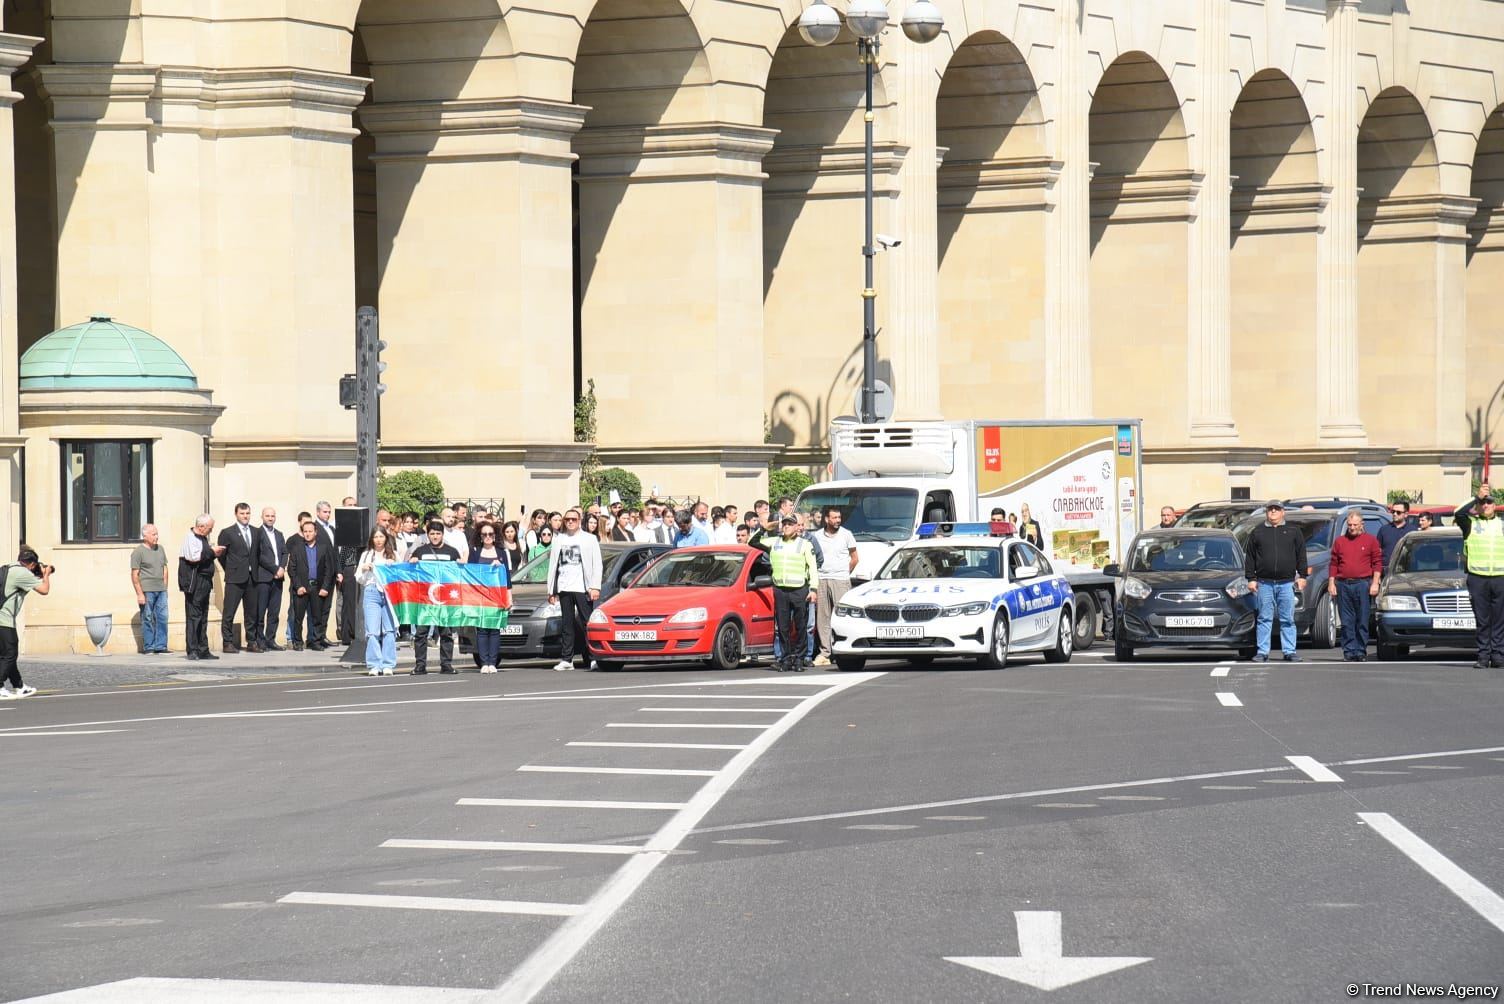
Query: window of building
[{"x": 106, "y": 490}]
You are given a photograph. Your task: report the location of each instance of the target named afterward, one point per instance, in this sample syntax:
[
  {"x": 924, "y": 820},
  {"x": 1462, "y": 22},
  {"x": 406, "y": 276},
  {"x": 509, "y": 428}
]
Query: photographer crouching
[{"x": 27, "y": 575}]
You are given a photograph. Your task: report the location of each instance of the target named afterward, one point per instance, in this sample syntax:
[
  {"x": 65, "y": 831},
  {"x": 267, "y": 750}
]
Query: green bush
[
  {"x": 600, "y": 482},
  {"x": 1405, "y": 495},
  {"x": 788, "y": 481},
  {"x": 409, "y": 491}
]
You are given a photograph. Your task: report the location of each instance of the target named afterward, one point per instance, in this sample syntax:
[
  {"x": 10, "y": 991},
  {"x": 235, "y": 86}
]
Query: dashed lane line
[
  {"x": 1228, "y": 700},
  {"x": 1221, "y": 670},
  {"x": 1488, "y": 904},
  {"x": 1314, "y": 769},
  {"x": 432, "y": 903},
  {"x": 80, "y": 732},
  {"x": 510, "y": 845}
]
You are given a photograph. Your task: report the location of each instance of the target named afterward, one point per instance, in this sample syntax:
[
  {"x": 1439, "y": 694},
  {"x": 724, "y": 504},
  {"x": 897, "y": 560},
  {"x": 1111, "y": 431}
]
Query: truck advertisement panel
[{"x": 1078, "y": 482}]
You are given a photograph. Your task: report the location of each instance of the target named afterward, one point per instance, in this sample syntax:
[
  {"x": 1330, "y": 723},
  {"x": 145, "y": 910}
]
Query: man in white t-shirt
[
  {"x": 574, "y": 583},
  {"x": 837, "y": 561}
]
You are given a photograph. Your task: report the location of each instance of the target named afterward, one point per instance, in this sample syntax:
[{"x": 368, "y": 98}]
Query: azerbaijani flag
[{"x": 447, "y": 593}]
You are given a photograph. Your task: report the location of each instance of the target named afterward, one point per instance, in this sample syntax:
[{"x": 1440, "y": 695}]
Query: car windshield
[
  {"x": 1189, "y": 553},
  {"x": 692, "y": 568},
  {"x": 944, "y": 562},
  {"x": 535, "y": 572},
  {"x": 869, "y": 513},
  {"x": 1317, "y": 532},
  {"x": 1216, "y": 517},
  {"x": 1419, "y": 554}
]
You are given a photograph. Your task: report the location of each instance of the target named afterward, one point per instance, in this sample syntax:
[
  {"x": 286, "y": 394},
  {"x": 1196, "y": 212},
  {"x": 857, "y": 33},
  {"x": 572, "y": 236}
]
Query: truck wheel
[
  {"x": 997, "y": 652},
  {"x": 1065, "y": 635},
  {"x": 1324, "y": 628},
  {"x": 1085, "y": 626},
  {"x": 1122, "y": 651},
  {"x": 849, "y": 663}
]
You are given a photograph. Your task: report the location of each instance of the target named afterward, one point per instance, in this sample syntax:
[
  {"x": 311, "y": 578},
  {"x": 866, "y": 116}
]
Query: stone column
[
  {"x": 671, "y": 279},
  {"x": 1453, "y": 216},
  {"x": 100, "y": 126},
  {"x": 474, "y": 256},
  {"x": 1067, "y": 360},
  {"x": 1337, "y": 414},
  {"x": 1209, "y": 290},
  {"x": 911, "y": 340},
  {"x": 15, "y": 50}
]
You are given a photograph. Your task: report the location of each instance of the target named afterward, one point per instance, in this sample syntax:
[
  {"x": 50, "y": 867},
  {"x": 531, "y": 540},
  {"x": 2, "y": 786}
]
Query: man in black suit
[
  {"x": 196, "y": 580},
  {"x": 270, "y": 572},
  {"x": 238, "y": 542},
  {"x": 310, "y": 574}
]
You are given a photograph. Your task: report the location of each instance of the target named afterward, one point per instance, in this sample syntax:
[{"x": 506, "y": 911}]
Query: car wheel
[
  {"x": 1122, "y": 651},
  {"x": 1065, "y": 637},
  {"x": 607, "y": 666},
  {"x": 726, "y": 652},
  {"x": 1325, "y": 627},
  {"x": 849, "y": 663},
  {"x": 1085, "y": 628},
  {"x": 997, "y": 652},
  {"x": 1393, "y": 653}
]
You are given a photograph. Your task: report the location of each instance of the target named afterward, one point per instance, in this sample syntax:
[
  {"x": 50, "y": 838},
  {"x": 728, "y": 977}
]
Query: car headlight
[
  {"x": 689, "y": 615},
  {"x": 598, "y": 616},
  {"x": 552, "y": 610},
  {"x": 966, "y": 609},
  {"x": 1238, "y": 588},
  {"x": 847, "y": 610},
  {"x": 1399, "y": 603},
  {"x": 1136, "y": 589}
]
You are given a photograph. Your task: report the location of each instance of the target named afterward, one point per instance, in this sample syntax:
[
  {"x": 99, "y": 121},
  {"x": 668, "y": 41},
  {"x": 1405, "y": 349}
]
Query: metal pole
[
  {"x": 868, "y": 50},
  {"x": 367, "y": 353}
]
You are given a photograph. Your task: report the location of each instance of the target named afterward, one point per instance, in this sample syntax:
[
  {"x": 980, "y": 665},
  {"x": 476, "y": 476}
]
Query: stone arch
[
  {"x": 812, "y": 226},
  {"x": 993, "y": 189},
  {"x": 1396, "y": 155},
  {"x": 642, "y": 63},
  {"x": 1276, "y": 198},
  {"x": 1141, "y": 197},
  {"x": 1485, "y": 277}
]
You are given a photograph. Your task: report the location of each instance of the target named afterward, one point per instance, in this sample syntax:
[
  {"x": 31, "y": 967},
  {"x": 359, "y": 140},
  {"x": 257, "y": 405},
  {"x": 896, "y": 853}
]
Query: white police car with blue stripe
[{"x": 962, "y": 590}]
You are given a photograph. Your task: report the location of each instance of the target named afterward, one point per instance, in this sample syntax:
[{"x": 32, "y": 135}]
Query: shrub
[
  {"x": 600, "y": 482},
  {"x": 788, "y": 481},
  {"x": 409, "y": 491}
]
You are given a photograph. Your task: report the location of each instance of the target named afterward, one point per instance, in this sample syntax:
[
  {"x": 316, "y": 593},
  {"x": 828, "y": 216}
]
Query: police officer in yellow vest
[
  {"x": 796, "y": 576},
  {"x": 1483, "y": 557}
]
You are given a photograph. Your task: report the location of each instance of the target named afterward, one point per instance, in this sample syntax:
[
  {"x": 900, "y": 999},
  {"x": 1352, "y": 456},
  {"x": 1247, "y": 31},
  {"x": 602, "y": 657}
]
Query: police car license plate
[
  {"x": 1454, "y": 623},
  {"x": 637, "y": 636},
  {"x": 901, "y": 631},
  {"x": 513, "y": 630},
  {"x": 1189, "y": 622}
]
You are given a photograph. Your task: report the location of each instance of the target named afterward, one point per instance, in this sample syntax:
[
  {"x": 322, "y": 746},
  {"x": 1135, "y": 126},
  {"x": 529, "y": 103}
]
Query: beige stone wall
[{"x": 1274, "y": 338}]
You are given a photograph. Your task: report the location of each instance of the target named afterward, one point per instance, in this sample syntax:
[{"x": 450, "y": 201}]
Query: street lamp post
[{"x": 819, "y": 25}]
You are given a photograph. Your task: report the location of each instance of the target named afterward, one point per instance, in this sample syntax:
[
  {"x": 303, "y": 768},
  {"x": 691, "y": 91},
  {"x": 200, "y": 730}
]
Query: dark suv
[{"x": 1315, "y": 612}]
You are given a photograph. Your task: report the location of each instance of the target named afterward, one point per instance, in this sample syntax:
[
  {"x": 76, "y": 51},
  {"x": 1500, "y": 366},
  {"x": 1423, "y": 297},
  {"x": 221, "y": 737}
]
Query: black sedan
[
  {"x": 1423, "y": 597},
  {"x": 533, "y": 629},
  {"x": 1184, "y": 588}
]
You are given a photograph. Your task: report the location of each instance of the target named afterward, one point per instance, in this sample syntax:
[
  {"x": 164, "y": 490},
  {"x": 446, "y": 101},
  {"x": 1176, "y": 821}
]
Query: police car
[{"x": 958, "y": 590}]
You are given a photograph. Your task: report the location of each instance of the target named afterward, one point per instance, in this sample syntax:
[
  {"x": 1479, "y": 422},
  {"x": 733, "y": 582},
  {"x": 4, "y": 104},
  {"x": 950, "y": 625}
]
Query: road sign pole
[{"x": 368, "y": 404}]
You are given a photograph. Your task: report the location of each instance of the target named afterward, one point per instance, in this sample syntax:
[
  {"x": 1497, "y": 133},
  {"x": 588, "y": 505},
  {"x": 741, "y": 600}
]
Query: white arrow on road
[{"x": 1040, "y": 962}]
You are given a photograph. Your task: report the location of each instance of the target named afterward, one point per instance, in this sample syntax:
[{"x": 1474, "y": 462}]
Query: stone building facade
[{"x": 1269, "y": 228}]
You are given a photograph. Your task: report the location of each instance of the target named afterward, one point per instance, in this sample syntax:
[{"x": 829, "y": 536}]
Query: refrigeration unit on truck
[{"x": 1080, "y": 479}]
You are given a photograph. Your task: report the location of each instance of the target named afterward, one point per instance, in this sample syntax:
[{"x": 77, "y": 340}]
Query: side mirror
[
  {"x": 760, "y": 582},
  {"x": 1025, "y": 572},
  {"x": 857, "y": 580},
  {"x": 1112, "y": 571}
]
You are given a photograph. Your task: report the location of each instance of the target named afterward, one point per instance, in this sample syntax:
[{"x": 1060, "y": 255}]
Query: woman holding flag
[
  {"x": 485, "y": 550},
  {"x": 381, "y": 629}
]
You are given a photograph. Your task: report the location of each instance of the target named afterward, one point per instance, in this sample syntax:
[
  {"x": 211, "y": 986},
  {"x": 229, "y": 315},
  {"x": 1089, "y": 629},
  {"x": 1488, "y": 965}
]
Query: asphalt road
[{"x": 681, "y": 835}]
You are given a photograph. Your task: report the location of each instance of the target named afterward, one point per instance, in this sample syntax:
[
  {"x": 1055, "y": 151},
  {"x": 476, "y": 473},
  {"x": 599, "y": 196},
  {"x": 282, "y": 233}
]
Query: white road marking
[
  {"x": 776, "y": 711},
  {"x": 1230, "y": 787},
  {"x": 665, "y": 746},
  {"x": 1287, "y": 780},
  {"x": 683, "y": 725},
  {"x": 1386, "y": 772},
  {"x": 431, "y": 903},
  {"x": 528, "y": 979},
  {"x": 287, "y": 714},
  {"x": 1221, "y": 670},
  {"x": 956, "y": 819},
  {"x": 1228, "y": 700},
  {"x": 143, "y": 990},
  {"x": 1421, "y": 756},
  {"x": 81, "y": 732},
  {"x": 1436, "y": 766},
  {"x": 1132, "y": 798},
  {"x": 1065, "y": 805},
  {"x": 882, "y": 826},
  {"x": 1488, "y": 904},
  {"x": 751, "y": 842},
  {"x": 658, "y": 771},
  {"x": 511, "y": 845},
  {"x": 1314, "y": 769},
  {"x": 1041, "y": 961},
  {"x": 564, "y": 803},
  {"x": 368, "y": 686}
]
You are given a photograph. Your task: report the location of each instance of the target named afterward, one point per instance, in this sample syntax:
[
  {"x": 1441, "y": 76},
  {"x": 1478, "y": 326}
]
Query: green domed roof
[{"x": 103, "y": 354}]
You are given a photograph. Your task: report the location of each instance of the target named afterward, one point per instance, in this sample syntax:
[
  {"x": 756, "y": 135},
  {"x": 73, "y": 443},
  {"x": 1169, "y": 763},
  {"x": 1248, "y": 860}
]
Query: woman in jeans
[
  {"x": 484, "y": 550},
  {"x": 381, "y": 630}
]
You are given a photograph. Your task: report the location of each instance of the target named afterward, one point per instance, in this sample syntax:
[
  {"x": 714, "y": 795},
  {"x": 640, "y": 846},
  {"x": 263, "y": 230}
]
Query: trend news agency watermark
[{"x": 1456, "y": 990}]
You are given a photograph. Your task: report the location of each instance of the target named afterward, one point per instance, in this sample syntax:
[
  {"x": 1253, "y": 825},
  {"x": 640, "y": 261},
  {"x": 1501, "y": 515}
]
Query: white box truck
[{"x": 1080, "y": 479}]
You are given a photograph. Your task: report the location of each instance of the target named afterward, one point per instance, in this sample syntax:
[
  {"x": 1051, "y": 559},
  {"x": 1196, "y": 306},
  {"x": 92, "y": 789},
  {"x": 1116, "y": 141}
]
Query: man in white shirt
[
  {"x": 574, "y": 583},
  {"x": 454, "y": 532},
  {"x": 837, "y": 561},
  {"x": 652, "y": 530}
]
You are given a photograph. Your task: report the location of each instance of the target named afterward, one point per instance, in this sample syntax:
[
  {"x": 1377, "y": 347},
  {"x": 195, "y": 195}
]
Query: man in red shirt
[{"x": 1357, "y": 562}]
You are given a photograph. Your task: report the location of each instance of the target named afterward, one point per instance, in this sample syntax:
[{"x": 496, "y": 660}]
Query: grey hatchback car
[{"x": 533, "y": 629}]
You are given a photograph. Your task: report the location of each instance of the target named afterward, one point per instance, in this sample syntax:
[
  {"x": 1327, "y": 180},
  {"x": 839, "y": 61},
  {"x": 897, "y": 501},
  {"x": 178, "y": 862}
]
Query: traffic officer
[
  {"x": 795, "y": 576},
  {"x": 1483, "y": 554}
]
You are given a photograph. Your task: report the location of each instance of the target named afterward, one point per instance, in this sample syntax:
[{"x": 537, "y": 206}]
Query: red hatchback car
[{"x": 706, "y": 604}]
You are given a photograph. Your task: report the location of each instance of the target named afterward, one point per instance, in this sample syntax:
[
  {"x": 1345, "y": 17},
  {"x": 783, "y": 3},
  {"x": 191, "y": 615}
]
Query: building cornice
[
  {"x": 687, "y": 152},
  {"x": 525, "y": 129}
]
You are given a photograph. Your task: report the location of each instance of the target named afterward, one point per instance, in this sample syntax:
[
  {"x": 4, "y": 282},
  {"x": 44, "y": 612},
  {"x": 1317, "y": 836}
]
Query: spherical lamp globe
[
  {"x": 819, "y": 24},
  {"x": 922, "y": 22},
  {"x": 867, "y": 18}
]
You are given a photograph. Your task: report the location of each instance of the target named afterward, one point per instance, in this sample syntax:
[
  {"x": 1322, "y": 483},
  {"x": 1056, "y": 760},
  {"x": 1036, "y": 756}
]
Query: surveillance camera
[{"x": 888, "y": 243}]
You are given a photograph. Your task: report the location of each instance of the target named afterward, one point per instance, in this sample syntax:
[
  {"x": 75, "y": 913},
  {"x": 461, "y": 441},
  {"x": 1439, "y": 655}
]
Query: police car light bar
[{"x": 996, "y": 528}]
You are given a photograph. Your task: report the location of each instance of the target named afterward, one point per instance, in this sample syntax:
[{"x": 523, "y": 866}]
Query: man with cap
[
  {"x": 796, "y": 573},
  {"x": 1483, "y": 556},
  {"x": 1275, "y": 566}
]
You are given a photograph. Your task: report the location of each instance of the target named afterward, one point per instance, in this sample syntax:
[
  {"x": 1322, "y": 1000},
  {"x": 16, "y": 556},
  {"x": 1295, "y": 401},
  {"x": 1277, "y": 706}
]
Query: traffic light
[{"x": 349, "y": 391}]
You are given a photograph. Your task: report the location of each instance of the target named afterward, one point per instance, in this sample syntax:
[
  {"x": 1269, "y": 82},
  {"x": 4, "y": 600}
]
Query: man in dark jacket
[
  {"x": 1392, "y": 532},
  {"x": 270, "y": 572},
  {"x": 1275, "y": 567},
  {"x": 434, "y": 550},
  {"x": 196, "y": 580},
  {"x": 238, "y": 557},
  {"x": 310, "y": 575}
]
